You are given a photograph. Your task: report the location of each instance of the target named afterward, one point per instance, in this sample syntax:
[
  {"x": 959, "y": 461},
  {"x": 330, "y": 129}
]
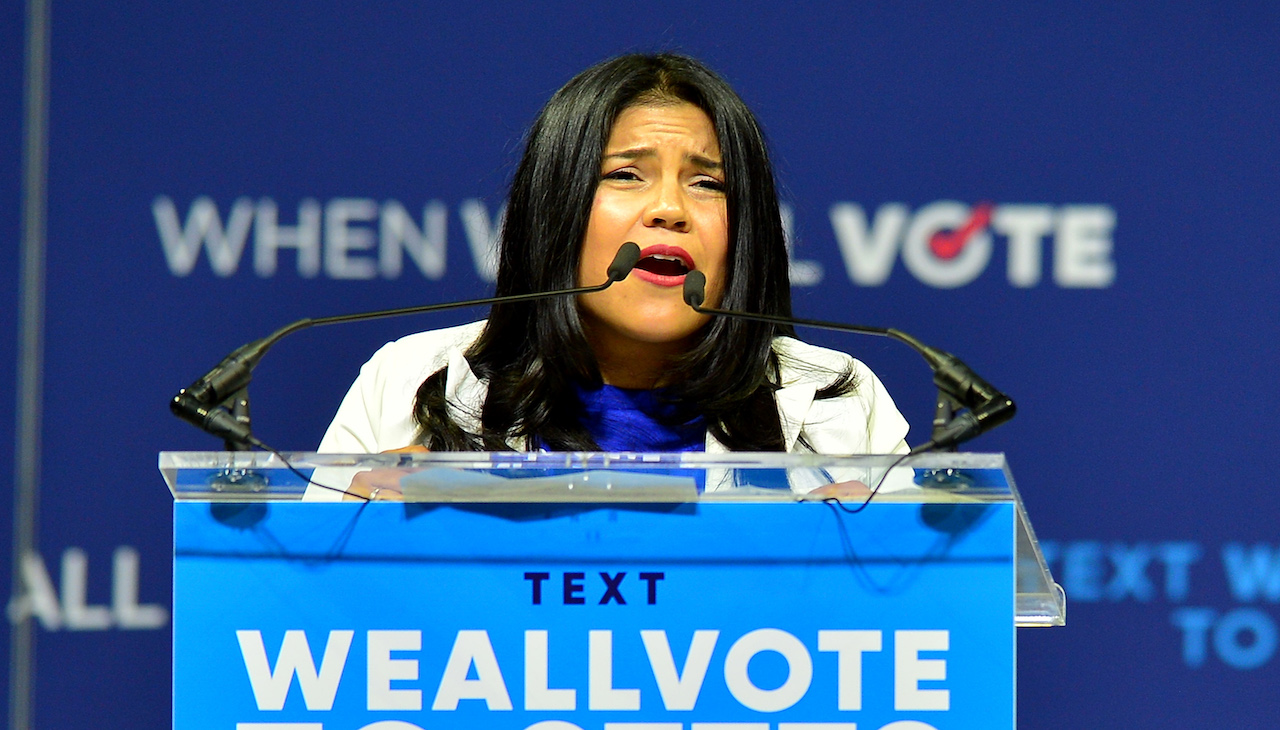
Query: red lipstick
[{"x": 664, "y": 265}]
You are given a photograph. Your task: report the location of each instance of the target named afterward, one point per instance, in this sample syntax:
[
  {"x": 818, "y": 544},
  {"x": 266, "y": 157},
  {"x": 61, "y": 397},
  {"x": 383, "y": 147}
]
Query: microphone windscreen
[
  {"x": 624, "y": 261},
  {"x": 695, "y": 288}
]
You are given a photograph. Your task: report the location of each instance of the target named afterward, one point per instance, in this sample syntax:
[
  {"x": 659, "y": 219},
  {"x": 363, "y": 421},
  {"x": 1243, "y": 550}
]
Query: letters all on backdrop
[{"x": 1080, "y": 202}]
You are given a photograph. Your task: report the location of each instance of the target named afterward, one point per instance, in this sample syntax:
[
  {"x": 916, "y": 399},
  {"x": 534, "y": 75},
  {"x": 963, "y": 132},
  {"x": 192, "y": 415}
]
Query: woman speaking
[{"x": 660, "y": 151}]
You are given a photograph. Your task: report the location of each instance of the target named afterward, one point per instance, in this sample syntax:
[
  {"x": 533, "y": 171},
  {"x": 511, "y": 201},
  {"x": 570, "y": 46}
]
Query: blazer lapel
[{"x": 793, "y": 404}]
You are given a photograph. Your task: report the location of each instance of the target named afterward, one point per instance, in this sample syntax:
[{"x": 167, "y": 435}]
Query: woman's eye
[
  {"x": 710, "y": 184},
  {"x": 620, "y": 175}
]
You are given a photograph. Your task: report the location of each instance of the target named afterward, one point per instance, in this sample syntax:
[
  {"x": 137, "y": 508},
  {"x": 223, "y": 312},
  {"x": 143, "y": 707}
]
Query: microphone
[
  {"x": 958, "y": 385},
  {"x": 624, "y": 261},
  {"x": 204, "y": 402}
]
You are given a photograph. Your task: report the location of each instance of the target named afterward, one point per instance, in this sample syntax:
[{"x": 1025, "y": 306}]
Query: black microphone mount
[
  {"x": 218, "y": 402},
  {"x": 959, "y": 387}
]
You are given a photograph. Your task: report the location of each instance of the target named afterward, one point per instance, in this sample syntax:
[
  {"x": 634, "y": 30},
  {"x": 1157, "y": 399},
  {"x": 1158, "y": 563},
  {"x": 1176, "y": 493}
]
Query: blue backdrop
[{"x": 215, "y": 172}]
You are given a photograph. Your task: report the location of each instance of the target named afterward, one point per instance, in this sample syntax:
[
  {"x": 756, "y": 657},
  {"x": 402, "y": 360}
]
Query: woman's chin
[{"x": 665, "y": 331}]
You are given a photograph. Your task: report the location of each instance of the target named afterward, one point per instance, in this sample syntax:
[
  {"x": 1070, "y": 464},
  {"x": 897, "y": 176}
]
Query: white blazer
[{"x": 377, "y": 412}]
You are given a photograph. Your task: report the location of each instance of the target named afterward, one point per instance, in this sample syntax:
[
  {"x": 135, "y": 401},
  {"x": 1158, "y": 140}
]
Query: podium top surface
[
  {"x": 591, "y": 476},
  {"x": 628, "y": 478}
]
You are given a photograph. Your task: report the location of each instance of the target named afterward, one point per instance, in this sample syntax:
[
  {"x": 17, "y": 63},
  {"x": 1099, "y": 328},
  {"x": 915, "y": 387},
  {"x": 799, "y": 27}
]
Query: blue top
[{"x": 620, "y": 419}]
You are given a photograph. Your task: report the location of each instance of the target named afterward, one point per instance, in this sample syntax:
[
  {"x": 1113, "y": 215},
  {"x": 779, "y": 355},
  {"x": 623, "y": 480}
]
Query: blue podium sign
[{"x": 751, "y": 614}]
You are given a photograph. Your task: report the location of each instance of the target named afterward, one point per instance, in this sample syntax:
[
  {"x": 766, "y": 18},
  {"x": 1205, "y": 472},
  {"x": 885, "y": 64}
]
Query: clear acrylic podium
[{"x": 620, "y": 591}]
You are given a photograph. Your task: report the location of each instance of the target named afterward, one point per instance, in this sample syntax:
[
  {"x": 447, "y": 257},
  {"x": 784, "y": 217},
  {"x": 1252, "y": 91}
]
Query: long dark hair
[{"x": 533, "y": 354}]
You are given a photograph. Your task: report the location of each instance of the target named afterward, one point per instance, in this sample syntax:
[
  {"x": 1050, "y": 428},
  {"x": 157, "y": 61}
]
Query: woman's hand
[
  {"x": 850, "y": 490},
  {"x": 381, "y": 484}
]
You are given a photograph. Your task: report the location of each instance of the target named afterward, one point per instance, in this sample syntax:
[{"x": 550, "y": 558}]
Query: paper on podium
[{"x": 599, "y": 485}]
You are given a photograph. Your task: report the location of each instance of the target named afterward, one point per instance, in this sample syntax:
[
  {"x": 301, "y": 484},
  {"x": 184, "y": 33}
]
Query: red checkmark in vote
[{"x": 949, "y": 244}]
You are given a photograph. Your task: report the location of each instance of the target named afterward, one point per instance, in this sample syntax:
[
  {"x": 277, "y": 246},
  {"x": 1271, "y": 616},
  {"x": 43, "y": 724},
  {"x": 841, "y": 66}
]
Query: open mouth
[{"x": 663, "y": 265}]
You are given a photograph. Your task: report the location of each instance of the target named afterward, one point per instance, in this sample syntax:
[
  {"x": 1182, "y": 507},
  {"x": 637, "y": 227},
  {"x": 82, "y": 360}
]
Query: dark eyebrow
[{"x": 700, "y": 161}]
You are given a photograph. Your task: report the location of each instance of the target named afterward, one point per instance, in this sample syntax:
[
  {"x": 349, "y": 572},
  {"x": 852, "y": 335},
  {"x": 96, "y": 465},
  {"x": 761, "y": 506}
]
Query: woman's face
[{"x": 661, "y": 186}]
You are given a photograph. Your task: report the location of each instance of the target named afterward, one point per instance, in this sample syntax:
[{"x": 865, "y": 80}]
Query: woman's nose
[{"x": 667, "y": 209}]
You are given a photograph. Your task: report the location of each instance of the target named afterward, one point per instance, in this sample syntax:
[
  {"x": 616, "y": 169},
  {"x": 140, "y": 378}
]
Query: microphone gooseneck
[
  {"x": 218, "y": 402},
  {"x": 958, "y": 385}
]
